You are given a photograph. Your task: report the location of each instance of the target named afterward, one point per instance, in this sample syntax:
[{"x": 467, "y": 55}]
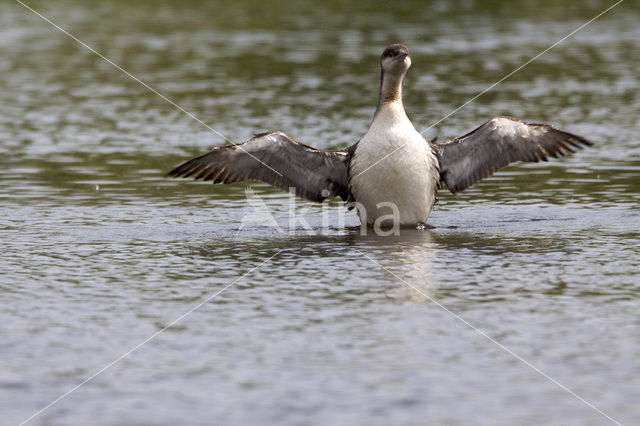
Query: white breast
[{"x": 405, "y": 181}]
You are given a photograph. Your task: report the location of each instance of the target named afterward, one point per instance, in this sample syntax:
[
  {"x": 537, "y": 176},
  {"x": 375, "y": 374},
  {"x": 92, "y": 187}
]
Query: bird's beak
[{"x": 402, "y": 56}]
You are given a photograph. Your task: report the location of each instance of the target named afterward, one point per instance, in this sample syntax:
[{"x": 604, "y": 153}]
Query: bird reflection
[{"x": 404, "y": 260}]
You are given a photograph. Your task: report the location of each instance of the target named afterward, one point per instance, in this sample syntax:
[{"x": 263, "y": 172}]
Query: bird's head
[{"x": 395, "y": 59}]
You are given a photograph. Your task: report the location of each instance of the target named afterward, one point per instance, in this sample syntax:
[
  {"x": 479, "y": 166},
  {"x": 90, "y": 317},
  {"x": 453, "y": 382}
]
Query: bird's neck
[
  {"x": 390, "y": 88},
  {"x": 390, "y": 110}
]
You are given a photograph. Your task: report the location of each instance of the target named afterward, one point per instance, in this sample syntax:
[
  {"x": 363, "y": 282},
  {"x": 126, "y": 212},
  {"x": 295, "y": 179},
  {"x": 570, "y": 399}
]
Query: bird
[{"x": 391, "y": 175}]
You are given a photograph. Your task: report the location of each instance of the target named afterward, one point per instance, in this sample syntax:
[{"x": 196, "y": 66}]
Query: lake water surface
[{"x": 100, "y": 250}]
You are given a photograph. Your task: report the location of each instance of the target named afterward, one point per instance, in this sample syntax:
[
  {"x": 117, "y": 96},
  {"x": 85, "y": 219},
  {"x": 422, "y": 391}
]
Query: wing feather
[
  {"x": 497, "y": 143},
  {"x": 276, "y": 159}
]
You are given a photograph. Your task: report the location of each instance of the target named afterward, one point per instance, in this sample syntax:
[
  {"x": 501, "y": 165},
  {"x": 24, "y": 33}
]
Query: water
[{"x": 101, "y": 250}]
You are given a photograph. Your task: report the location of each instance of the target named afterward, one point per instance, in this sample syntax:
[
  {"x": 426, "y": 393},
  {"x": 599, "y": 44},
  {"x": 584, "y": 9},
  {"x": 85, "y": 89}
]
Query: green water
[{"x": 101, "y": 250}]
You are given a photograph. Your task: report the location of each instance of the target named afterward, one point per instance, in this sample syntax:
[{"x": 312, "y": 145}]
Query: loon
[{"x": 392, "y": 166}]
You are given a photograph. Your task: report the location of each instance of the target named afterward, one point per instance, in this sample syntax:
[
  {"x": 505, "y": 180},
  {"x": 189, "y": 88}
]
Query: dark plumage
[
  {"x": 497, "y": 143},
  {"x": 276, "y": 159}
]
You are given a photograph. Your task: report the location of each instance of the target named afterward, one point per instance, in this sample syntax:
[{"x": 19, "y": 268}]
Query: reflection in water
[
  {"x": 343, "y": 254},
  {"x": 406, "y": 260}
]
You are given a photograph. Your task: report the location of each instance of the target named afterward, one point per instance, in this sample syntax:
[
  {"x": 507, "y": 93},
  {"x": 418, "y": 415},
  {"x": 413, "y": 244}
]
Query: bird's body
[
  {"x": 408, "y": 183},
  {"x": 392, "y": 173}
]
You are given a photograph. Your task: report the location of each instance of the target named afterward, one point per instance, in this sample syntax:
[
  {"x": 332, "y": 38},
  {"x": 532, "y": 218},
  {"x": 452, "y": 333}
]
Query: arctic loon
[{"x": 392, "y": 165}]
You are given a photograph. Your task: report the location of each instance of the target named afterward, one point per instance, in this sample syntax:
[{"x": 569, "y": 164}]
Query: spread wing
[
  {"x": 276, "y": 159},
  {"x": 497, "y": 143}
]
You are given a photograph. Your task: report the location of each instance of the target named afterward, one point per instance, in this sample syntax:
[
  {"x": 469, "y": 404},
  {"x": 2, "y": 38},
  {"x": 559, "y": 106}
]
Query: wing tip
[
  {"x": 176, "y": 172},
  {"x": 199, "y": 164},
  {"x": 578, "y": 141},
  {"x": 184, "y": 170}
]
